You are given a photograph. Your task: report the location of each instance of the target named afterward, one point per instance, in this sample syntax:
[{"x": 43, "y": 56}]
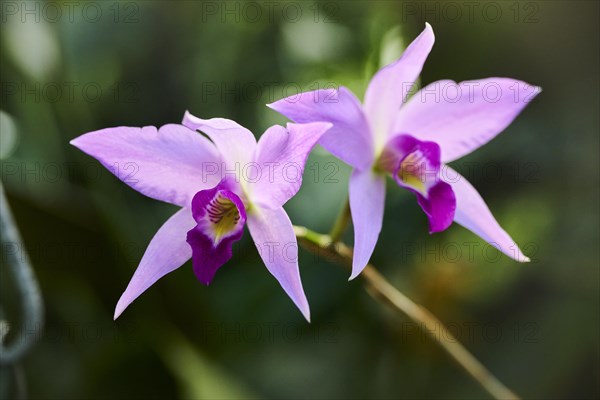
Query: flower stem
[
  {"x": 381, "y": 290},
  {"x": 341, "y": 222}
]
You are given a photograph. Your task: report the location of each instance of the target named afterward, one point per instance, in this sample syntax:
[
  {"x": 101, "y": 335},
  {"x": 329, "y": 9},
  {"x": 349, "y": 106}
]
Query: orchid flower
[
  {"x": 220, "y": 184},
  {"x": 411, "y": 140}
]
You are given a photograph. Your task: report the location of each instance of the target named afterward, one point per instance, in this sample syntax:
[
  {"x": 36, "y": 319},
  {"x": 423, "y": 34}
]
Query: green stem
[
  {"x": 382, "y": 291},
  {"x": 341, "y": 222}
]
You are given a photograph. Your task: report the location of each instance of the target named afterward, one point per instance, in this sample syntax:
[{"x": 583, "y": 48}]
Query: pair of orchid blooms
[{"x": 410, "y": 140}]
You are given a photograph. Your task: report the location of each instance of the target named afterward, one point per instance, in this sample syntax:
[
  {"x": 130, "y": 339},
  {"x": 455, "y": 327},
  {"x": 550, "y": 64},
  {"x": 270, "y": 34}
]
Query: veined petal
[
  {"x": 275, "y": 240},
  {"x": 367, "y": 200},
  {"x": 168, "y": 164},
  {"x": 349, "y": 138},
  {"x": 166, "y": 252},
  {"x": 415, "y": 165},
  {"x": 220, "y": 217},
  {"x": 280, "y": 159},
  {"x": 235, "y": 143},
  {"x": 474, "y": 214},
  {"x": 462, "y": 117},
  {"x": 391, "y": 84}
]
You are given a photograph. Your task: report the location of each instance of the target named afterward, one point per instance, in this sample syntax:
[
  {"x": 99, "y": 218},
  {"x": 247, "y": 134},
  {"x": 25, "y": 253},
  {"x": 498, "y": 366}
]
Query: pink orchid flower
[
  {"x": 221, "y": 183},
  {"x": 412, "y": 140}
]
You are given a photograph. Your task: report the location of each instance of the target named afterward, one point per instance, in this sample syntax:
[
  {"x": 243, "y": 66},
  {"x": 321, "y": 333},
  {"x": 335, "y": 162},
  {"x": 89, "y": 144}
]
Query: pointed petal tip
[
  {"x": 357, "y": 268},
  {"x": 121, "y": 306},
  {"x": 302, "y": 304},
  {"x": 306, "y": 314},
  {"x": 119, "y": 309},
  {"x": 519, "y": 257},
  {"x": 190, "y": 121},
  {"x": 513, "y": 251},
  {"x": 429, "y": 30},
  {"x": 276, "y": 106},
  {"x": 353, "y": 276},
  {"x": 79, "y": 141},
  {"x": 186, "y": 117},
  {"x": 537, "y": 90}
]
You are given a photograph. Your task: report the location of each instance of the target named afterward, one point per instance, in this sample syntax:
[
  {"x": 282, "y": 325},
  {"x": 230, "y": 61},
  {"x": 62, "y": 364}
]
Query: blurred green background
[{"x": 68, "y": 68}]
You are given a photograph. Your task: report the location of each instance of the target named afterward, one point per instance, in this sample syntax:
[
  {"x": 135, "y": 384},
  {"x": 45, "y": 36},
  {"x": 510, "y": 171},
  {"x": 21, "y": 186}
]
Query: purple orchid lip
[
  {"x": 415, "y": 165},
  {"x": 220, "y": 216}
]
